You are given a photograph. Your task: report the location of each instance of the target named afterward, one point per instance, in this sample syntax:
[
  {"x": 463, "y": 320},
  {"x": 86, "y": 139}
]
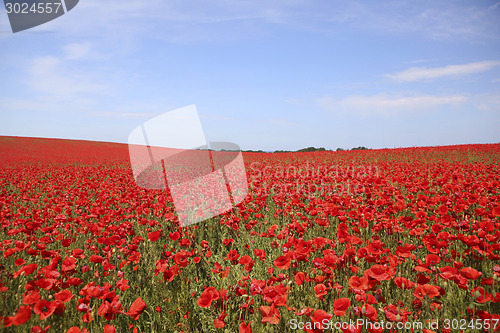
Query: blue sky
[{"x": 263, "y": 74}]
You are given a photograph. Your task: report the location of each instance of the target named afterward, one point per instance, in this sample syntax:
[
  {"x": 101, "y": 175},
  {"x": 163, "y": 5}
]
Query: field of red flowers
[{"x": 387, "y": 237}]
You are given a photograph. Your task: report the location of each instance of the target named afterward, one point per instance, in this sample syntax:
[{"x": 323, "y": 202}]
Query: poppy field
[{"x": 372, "y": 238}]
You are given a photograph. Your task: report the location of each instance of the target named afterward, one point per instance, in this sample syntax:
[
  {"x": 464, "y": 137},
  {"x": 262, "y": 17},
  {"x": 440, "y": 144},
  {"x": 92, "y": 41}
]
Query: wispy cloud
[
  {"x": 75, "y": 51},
  {"x": 196, "y": 20},
  {"x": 488, "y": 102},
  {"x": 281, "y": 122},
  {"x": 387, "y": 105},
  {"x": 216, "y": 117},
  {"x": 426, "y": 73},
  {"x": 123, "y": 114},
  {"x": 58, "y": 77},
  {"x": 494, "y": 6}
]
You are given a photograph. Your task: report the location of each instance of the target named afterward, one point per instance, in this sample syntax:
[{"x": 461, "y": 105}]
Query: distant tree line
[
  {"x": 303, "y": 150},
  {"x": 311, "y": 149}
]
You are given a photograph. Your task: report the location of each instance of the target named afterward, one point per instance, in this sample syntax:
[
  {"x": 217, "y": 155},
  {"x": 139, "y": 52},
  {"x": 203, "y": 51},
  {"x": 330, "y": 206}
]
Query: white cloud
[
  {"x": 52, "y": 78},
  {"x": 123, "y": 114},
  {"x": 494, "y": 6},
  {"x": 488, "y": 102},
  {"x": 386, "y": 105},
  {"x": 57, "y": 77},
  {"x": 426, "y": 73},
  {"x": 77, "y": 50},
  {"x": 192, "y": 21}
]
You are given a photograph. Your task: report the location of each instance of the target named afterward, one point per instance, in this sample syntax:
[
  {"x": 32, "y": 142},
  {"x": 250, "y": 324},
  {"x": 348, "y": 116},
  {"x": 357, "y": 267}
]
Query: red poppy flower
[
  {"x": 63, "y": 296},
  {"x": 378, "y": 272},
  {"x": 282, "y": 262},
  {"x": 403, "y": 283},
  {"x": 174, "y": 236},
  {"x": 136, "y": 308},
  {"x": 470, "y": 273},
  {"x": 270, "y": 314},
  {"x": 443, "y": 209},
  {"x": 395, "y": 313},
  {"x": 22, "y": 315},
  {"x": 32, "y": 297},
  {"x": 448, "y": 272},
  {"x": 261, "y": 254},
  {"x": 340, "y": 306},
  {"x": 481, "y": 295},
  {"x": 68, "y": 264},
  {"x": 358, "y": 284},
  {"x": 432, "y": 259},
  {"x": 244, "y": 328},
  {"x": 154, "y": 235},
  {"x": 219, "y": 321},
  {"x": 426, "y": 290},
  {"x": 96, "y": 259},
  {"x": 26, "y": 270},
  {"x": 207, "y": 297},
  {"x": 38, "y": 329},
  {"x": 74, "y": 281},
  {"x": 109, "y": 329},
  {"x": 232, "y": 256},
  {"x": 369, "y": 311},
  {"x": 19, "y": 262},
  {"x": 108, "y": 310},
  {"x": 300, "y": 278},
  {"x": 247, "y": 262},
  {"x": 320, "y": 317},
  {"x": 320, "y": 290},
  {"x": 45, "y": 308},
  {"x": 180, "y": 258},
  {"x": 122, "y": 284}
]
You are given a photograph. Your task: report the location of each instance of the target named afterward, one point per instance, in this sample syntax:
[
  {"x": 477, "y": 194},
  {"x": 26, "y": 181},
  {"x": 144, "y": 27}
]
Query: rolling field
[{"x": 383, "y": 240}]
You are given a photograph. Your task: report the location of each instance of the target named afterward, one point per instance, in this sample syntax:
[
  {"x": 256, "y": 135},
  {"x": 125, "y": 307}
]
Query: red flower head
[
  {"x": 22, "y": 315},
  {"x": 247, "y": 262},
  {"x": 470, "y": 273},
  {"x": 245, "y": 328},
  {"x": 282, "y": 262},
  {"x": 219, "y": 321},
  {"x": 270, "y": 314},
  {"x": 320, "y": 316},
  {"x": 320, "y": 290},
  {"x": 260, "y": 253},
  {"x": 63, "y": 296},
  {"x": 207, "y": 297},
  {"x": 378, "y": 272},
  {"x": 340, "y": 306},
  {"x": 300, "y": 278},
  {"x": 136, "y": 308},
  {"x": 358, "y": 284},
  {"x": 233, "y": 256},
  {"x": 154, "y": 235},
  {"x": 45, "y": 308}
]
